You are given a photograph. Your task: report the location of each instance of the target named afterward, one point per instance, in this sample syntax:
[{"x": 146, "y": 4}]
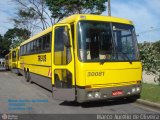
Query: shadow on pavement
[{"x": 97, "y": 103}]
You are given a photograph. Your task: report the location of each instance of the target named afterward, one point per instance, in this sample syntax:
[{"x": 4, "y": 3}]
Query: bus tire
[
  {"x": 28, "y": 78},
  {"x": 25, "y": 73}
]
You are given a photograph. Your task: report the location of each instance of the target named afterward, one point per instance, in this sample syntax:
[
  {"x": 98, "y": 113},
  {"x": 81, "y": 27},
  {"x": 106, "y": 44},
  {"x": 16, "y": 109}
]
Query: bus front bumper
[{"x": 94, "y": 94}]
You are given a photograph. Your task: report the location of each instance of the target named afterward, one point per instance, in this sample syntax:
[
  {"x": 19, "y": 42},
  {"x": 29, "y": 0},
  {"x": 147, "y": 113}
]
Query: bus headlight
[
  {"x": 133, "y": 89},
  {"x": 138, "y": 89},
  {"x": 90, "y": 95},
  {"x": 94, "y": 94},
  {"x": 97, "y": 95}
]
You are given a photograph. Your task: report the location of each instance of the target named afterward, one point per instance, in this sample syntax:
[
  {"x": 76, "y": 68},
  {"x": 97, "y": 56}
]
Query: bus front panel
[{"x": 108, "y": 63}]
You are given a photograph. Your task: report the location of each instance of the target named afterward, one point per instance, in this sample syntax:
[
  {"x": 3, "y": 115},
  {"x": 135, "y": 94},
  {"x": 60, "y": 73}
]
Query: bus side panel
[{"x": 39, "y": 68}]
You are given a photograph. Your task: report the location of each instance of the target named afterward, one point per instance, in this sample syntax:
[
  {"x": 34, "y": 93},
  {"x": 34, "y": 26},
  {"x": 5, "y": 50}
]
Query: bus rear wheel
[
  {"x": 25, "y": 74},
  {"x": 28, "y": 77}
]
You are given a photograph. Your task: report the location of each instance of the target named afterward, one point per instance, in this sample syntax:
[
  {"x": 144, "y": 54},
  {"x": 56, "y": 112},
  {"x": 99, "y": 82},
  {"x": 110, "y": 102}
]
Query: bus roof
[{"x": 78, "y": 17}]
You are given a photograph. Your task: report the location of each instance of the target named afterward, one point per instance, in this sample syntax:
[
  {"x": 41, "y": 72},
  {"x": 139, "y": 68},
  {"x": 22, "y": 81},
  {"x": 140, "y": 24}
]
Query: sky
[{"x": 145, "y": 15}]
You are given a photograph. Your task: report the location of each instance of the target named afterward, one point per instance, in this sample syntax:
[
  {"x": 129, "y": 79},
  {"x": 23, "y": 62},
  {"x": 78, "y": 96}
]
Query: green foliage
[
  {"x": 157, "y": 46},
  {"x": 16, "y": 36},
  {"x": 32, "y": 15},
  {"x": 150, "y": 60},
  {"x": 147, "y": 56},
  {"x": 24, "y": 16},
  {"x": 26, "y": 19},
  {"x": 28, "y": 13},
  {"x": 64, "y": 8},
  {"x": 4, "y": 46}
]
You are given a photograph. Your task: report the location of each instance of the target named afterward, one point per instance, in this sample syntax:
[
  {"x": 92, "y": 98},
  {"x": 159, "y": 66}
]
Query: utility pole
[{"x": 109, "y": 8}]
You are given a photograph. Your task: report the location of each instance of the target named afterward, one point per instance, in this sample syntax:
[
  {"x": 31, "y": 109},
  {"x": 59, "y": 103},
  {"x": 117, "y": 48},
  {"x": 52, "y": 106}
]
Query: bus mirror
[{"x": 66, "y": 39}]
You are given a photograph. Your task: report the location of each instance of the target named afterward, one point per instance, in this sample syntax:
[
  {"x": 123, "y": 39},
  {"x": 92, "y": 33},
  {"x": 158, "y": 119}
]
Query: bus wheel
[
  {"x": 28, "y": 77},
  {"x": 25, "y": 73},
  {"x": 30, "y": 80}
]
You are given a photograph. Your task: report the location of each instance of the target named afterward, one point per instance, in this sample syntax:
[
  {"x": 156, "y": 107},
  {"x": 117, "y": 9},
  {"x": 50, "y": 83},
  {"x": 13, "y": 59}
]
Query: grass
[{"x": 150, "y": 92}]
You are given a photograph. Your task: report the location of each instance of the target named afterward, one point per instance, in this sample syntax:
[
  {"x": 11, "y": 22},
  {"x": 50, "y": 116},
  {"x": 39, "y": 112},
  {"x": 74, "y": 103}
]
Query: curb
[{"x": 148, "y": 103}]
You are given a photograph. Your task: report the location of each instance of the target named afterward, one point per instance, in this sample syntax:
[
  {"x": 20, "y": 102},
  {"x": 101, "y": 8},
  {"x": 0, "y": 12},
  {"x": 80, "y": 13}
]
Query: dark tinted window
[
  {"x": 47, "y": 42},
  {"x": 62, "y": 53},
  {"x": 39, "y": 45},
  {"x": 31, "y": 51},
  {"x": 21, "y": 50},
  {"x": 34, "y": 46},
  {"x": 24, "y": 49},
  {"x": 14, "y": 54},
  {"x": 40, "y": 40},
  {"x": 59, "y": 42},
  {"x": 28, "y": 48},
  {"x": 6, "y": 57}
]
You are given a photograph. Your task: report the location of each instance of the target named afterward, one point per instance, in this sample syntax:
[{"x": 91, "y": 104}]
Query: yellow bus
[
  {"x": 12, "y": 60},
  {"x": 15, "y": 64},
  {"x": 85, "y": 58}
]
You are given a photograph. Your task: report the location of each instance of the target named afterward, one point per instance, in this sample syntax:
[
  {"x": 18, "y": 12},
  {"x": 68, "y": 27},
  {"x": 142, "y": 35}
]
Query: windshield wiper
[
  {"x": 106, "y": 59},
  {"x": 126, "y": 57}
]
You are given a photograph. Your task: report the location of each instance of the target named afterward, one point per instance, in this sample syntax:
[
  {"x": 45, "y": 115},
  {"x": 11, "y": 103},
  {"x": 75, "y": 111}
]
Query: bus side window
[
  {"x": 37, "y": 46},
  {"x": 14, "y": 56},
  {"x": 31, "y": 47},
  {"x": 47, "y": 42},
  {"x": 34, "y": 46},
  {"x": 44, "y": 43},
  {"x": 39, "y": 43},
  {"x": 20, "y": 51},
  {"x": 28, "y": 48},
  {"x": 24, "y": 49}
]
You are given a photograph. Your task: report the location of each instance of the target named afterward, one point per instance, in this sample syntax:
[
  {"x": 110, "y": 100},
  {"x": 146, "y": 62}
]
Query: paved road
[{"x": 17, "y": 96}]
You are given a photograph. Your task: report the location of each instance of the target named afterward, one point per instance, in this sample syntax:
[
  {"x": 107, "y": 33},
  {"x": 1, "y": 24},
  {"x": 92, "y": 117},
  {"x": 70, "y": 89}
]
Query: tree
[
  {"x": 157, "y": 46},
  {"x": 4, "y": 46},
  {"x": 150, "y": 60},
  {"x": 16, "y": 36},
  {"x": 64, "y": 8},
  {"x": 26, "y": 19},
  {"x": 32, "y": 15}
]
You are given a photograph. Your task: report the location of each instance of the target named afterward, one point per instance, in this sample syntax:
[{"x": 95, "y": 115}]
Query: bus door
[{"x": 63, "y": 63}]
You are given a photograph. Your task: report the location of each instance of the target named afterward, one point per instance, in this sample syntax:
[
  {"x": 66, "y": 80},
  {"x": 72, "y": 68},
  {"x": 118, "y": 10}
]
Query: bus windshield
[{"x": 102, "y": 41}]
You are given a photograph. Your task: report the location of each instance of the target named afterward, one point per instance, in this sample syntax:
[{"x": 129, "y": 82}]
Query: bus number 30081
[{"x": 95, "y": 73}]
